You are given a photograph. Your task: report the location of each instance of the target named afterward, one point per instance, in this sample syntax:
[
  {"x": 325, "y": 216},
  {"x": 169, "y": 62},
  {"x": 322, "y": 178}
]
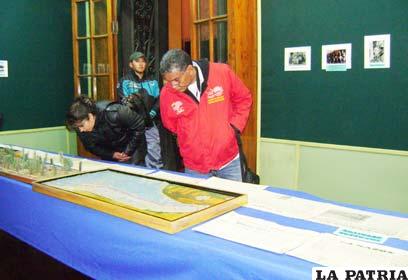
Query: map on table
[{"x": 164, "y": 200}]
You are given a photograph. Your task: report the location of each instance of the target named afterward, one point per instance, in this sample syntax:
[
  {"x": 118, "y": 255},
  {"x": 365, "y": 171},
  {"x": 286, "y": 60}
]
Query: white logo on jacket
[
  {"x": 177, "y": 107},
  {"x": 215, "y": 92}
]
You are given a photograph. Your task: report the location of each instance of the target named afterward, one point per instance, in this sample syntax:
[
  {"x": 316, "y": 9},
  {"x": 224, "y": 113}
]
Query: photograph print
[
  {"x": 336, "y": 57},
  {"x": 298, "y": 59},
  {"x": 3, "y": 68},
  {"x": 377, "y": 51}
]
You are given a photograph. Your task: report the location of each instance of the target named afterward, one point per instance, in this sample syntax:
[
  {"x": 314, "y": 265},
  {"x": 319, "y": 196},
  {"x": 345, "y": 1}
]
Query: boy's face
[
  {"x": 138, "y": 65},
  {"x": 86, "y": 125}
]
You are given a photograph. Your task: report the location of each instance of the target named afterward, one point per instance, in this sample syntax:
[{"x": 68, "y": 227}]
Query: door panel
[
  {"x": 94, "y": 48},
  {"x": 230, "y": 38}
]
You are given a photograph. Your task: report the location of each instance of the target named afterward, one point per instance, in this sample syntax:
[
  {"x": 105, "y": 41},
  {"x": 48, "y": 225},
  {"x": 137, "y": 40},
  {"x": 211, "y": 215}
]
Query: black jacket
[{"x": 117, "y": 129}]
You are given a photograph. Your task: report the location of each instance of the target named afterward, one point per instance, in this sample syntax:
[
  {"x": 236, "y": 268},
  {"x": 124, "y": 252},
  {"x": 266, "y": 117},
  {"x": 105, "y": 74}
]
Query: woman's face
[{"x": 86, "y": 125}]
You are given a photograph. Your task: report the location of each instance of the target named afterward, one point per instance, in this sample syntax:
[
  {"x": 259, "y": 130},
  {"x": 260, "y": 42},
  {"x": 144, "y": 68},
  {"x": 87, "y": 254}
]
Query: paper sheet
[
  {"x": 330, "y": 250},
  {"x": 176, "y": 177},
  {"x": 256, "y": 232},
  {"x": 330, "y": 214},
  {"x": 230, "y": 186},
  {"x": 403, "y": 234},
  {"x": 285, "y": 205},
  {"x": 363, "y": 220}
]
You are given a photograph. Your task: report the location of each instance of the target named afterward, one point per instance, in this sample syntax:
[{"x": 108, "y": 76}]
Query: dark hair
[
  {"x": 174, "y": 60},
  {"x": 79, "y": 110}
]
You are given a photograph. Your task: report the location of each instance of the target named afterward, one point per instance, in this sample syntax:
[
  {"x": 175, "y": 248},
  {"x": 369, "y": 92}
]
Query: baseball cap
[{"x": 136, "y": 55}]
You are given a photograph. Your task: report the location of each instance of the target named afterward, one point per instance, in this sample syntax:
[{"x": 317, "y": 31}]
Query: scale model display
[
  {"x": 17, "y": 164},
  {"x": 163, "y": 205}
]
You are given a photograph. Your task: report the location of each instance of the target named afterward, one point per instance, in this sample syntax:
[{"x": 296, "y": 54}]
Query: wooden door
[
  {"x": 222, "y": 31},
  {"x": 94, "y": 50}
]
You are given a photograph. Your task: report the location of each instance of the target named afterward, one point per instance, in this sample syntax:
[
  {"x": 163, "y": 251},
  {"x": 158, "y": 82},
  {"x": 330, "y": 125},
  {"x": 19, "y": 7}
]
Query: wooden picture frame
[{"x": 139, "y": 198}]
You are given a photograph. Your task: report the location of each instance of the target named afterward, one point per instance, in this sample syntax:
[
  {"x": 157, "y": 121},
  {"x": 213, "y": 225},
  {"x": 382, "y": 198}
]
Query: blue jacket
[{"x": 148, "y": 88}]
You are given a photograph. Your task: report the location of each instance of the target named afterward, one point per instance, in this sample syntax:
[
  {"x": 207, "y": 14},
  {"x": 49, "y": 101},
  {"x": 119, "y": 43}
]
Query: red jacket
[{"x": 204, "y": 133}]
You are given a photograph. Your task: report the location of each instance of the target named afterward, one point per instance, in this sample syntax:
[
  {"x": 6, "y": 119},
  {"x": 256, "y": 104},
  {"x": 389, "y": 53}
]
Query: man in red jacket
[{"x": 202, "y": 103}]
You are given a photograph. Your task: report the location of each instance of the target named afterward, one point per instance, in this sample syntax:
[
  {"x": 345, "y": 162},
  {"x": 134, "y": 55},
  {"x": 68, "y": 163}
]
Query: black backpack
[{"x": 141, "y": 103}]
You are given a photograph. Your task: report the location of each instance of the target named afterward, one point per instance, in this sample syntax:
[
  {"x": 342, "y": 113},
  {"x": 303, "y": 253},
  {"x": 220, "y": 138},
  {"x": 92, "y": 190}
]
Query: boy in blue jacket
[{"x": 135, "y": 84}]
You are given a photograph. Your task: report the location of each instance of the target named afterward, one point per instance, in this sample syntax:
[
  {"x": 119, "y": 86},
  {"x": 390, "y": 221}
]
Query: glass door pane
[
  {"x": 85, "y": 86},
  {"x": 203, "y": 40},
  {"x": 83, "y": 18},
  {"x": 101, "y": 17},
  {"x": 203, "y": 9},
  {"x": 101, "y": 56},
  {"x": 220, "y": 41},
  {"x": 84, "y": 56},
  {"x": 220, "y": 7},
  {"x": 102, "y": 88}
]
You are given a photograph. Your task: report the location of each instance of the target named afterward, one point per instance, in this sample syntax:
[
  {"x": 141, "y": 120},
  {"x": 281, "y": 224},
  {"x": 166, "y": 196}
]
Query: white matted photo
[
  {"x": 377, "y": 51},
  {"x": 4, "y": 68},
  {"x": 298, "y": 58},
  {"x": 336, "y": 57}
]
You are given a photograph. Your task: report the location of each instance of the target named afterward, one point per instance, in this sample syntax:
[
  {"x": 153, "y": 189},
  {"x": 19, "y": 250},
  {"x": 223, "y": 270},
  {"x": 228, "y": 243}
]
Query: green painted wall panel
[
  {"x": 369, "y": 179},
  {"x": 36, "y": 40},
  {"x": 352, "y": 175},
  {"x": 56, "y": 139},
  {"x": 359, "y": 107},
  {"x": 278, "y": 165}
]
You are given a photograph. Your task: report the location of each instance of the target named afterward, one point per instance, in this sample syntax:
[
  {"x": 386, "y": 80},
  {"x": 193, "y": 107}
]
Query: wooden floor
[{"x": 18, "y": 260}]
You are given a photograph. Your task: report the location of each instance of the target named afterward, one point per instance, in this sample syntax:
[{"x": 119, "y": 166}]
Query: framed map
[{"x": 162, "y": 205}]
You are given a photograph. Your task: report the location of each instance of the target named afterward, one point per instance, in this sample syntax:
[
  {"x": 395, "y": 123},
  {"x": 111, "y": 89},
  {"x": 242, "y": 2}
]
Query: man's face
[
  {"x": 180, "y": 80},
  {"x": 138, "y": 65},
  {"x": 87, "y": 124}
]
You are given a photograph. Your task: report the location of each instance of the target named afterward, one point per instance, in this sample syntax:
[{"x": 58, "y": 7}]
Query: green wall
[
  {"x": 51, "y": 139},
  {"x": 338, "y": 135},
  {"x": 358, "y": 107},
  {"x": 362, "y": 176},
  {"x": 36, "y": 39}
]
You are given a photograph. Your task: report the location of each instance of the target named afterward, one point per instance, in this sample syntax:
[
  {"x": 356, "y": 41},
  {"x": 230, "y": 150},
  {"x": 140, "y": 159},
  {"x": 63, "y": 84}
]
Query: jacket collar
[
  {"x": 205, "y": 69},
  {"x": 136, "y": 77}
]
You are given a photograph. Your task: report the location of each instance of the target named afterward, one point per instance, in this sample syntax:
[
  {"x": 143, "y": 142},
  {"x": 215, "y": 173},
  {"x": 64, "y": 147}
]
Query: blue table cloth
[{"x": 106, "y": 247}]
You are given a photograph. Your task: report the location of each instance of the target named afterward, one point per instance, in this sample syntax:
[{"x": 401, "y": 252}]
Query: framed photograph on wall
[
  {"x": 298, "y": 58},
  {"x": 336, "y": 57},
  {"x": 4, "y": 68},
  {"x": 377, "y": 51}
]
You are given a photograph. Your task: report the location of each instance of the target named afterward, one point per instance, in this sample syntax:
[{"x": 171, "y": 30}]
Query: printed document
[
  {"x": 327, "y": 213},
  {"x": 331, "y": 250},
  {"x": 285, "y": 205},
  {"x": 256, "y": 232},
  {"x": 363, "y": 220}
]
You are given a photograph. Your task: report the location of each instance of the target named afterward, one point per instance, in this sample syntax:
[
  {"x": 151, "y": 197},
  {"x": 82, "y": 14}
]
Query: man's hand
[{"x": 121, "y": 157}]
